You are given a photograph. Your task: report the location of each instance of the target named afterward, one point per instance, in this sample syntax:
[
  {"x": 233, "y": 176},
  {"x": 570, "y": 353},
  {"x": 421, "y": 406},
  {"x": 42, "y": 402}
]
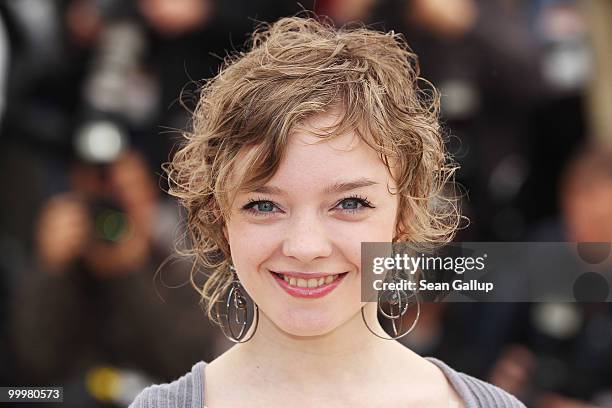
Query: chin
[{"x": 307, "y": 323}]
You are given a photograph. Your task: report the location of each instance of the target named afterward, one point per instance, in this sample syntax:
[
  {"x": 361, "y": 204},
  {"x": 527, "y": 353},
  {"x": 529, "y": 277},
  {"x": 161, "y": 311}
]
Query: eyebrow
[{"x": 337, "y": 187}]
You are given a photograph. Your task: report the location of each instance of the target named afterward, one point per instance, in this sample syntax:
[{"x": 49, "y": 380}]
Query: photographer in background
[
  {"x": 88, "y": 311},
  {"x": 120, "y": 233}
]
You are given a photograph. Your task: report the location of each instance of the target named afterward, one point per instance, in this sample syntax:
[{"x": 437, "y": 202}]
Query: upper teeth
[{"x": 309, "y": 283}]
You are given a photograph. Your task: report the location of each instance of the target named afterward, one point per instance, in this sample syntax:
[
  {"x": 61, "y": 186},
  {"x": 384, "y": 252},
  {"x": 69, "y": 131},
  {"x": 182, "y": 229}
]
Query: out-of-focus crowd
[{"x": 94, "y": 93}]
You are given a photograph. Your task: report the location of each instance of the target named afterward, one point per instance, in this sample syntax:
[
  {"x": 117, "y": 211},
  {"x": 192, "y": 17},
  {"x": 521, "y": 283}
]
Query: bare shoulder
[
  {"x": 455, "y": 400},
  {"x": 446, "y": 391}
]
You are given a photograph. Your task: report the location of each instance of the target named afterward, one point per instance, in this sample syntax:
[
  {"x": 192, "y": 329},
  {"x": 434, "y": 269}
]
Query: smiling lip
[{"x": 311, "y": 293}]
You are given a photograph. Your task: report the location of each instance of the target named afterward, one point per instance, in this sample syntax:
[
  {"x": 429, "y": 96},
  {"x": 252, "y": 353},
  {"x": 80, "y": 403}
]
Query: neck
[{"x": 348, "y": 351}]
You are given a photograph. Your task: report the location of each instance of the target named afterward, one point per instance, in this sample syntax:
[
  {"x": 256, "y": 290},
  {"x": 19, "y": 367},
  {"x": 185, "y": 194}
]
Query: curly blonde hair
[{"x": 295, "y": 68}]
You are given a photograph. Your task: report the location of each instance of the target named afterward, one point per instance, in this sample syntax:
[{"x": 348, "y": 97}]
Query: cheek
[
  {"x": 251, "y": 244},
  {"x": 349, "y": 236}
]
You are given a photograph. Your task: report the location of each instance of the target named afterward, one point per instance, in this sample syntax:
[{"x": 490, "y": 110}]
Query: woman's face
[{"x": 296, "y": 242}]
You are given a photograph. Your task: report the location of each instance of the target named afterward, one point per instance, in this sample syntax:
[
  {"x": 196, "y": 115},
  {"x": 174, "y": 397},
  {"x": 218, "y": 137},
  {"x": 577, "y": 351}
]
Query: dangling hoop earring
[
  {"x": 398, "y": 302},
  {"x": 237, "y": 302}
]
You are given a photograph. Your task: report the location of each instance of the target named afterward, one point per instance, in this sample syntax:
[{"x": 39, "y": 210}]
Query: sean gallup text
[{"x": 457, "y": 284}]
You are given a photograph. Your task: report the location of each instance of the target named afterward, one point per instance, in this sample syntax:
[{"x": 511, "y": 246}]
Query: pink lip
[{"x": 311, "y": 293}]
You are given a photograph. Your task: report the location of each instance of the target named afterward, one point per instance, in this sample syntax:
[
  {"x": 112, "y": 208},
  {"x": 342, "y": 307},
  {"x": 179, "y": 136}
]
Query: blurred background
[{"x": 94, "y": 93}]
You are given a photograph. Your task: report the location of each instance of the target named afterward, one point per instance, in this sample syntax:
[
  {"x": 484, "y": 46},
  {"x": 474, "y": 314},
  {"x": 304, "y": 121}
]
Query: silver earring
[
  {"x": 396, "y": 303},
  {"x": 236, "y": 305}
]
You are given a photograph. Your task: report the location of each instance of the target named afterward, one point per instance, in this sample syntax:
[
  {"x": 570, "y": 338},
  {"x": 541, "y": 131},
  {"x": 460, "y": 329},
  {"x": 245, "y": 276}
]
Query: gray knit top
[{"x": 188, "y": 391}]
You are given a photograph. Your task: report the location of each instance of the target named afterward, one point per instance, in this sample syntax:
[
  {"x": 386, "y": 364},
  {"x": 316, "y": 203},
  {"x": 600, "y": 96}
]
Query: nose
[{"x": 306, "y": 239}]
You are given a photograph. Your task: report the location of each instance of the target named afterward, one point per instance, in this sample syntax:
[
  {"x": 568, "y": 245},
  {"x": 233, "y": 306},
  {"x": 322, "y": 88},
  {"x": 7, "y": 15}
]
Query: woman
[{"x": 312, "y": 142}]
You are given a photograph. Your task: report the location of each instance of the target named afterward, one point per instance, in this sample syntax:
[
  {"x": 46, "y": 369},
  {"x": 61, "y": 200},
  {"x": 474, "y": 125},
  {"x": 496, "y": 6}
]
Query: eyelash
[{"x": 248, "y": 207}]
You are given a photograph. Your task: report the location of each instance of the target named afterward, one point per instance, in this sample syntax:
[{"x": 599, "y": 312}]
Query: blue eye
[
  {"x": 350, "y": 204},
  {"x": 264, "y": 206},
  {"x": 354, "y": 204},
  {"x": 260, "y": 207}
]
